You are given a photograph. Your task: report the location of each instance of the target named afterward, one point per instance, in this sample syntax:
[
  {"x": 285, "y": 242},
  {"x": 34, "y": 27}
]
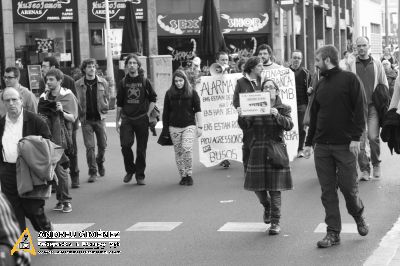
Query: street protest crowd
[{"x": 340, "y": 111}]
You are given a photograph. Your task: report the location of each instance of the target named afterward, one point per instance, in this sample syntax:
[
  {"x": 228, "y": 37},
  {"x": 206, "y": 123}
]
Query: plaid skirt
[{"x": 260, "y": 175}]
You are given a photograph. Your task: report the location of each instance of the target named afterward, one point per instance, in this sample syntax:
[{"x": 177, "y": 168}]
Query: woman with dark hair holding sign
[
  {"x": 268, "y": 170},
  {"x": 182, "y": 117}
]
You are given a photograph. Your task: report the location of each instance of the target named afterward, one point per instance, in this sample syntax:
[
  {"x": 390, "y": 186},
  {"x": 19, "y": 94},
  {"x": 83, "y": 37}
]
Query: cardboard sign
[
  {"x": 222, "y": 137},
  {"x": 255, "y": 103}
]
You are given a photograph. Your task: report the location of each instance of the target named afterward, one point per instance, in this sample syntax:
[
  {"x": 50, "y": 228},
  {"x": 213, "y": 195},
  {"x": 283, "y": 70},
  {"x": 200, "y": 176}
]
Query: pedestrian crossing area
[{"x": 347, "y": 228}]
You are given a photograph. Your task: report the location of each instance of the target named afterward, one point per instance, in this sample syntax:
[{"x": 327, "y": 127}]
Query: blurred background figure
[
  {"x": 391, "y": 75},
  {"x": 387, "y": 55}
]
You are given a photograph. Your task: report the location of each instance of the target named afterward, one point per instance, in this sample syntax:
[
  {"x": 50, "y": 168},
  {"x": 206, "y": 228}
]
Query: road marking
[
  {"x": 349, "y": 228},
  {"x": 154, "y": 226},
  {"x": 243, "y": 227},
  {"x": 72, "y": 227},
  {"x": 388, "y": 246}
]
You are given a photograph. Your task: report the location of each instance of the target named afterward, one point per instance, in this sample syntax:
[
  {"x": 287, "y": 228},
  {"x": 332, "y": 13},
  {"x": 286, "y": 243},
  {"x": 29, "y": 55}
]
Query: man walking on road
[
  {"x": 303, "y": 83},
  {"x": 93, "y": 100},
  {"x": 11, "y": 79},
  {"x": 336, "y": 125},
  {"x": 60, "y": 107},
  {"x": 16, "y": 124},
  {"x": 371, "y": 73},
  {"x": 68, "y": 82},
  {"x": 135, "y": 101}
]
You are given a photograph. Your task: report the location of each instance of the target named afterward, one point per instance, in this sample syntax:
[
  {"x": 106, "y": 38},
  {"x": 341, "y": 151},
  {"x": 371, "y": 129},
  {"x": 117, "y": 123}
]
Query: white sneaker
[
  {"x": 365, "y": 176},
  {"x": 376, "y": 172}
]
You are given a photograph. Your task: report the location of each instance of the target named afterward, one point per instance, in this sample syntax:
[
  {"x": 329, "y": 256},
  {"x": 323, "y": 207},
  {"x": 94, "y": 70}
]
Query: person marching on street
[
  {"x": 336, "y": 124},
  {"x": 136, "y": 99},
  {"x": 16, "y": 124},
  {"x": 251, "y": 82},
  {"x": 60, "y": 107},
  {"x": 266, "y": 177},
  {"x": 93, "y": 100},
  {"x": 182, "y": 116},
  {"x": 50, "y": 62},
  {"x": 371, "y": 74},
  {"x": 303, "y": 83},
  {"x": 11, "y": 79}
]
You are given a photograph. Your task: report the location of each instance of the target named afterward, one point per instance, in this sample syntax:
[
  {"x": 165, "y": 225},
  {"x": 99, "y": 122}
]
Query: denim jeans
[
  {"x": 62, "y": 190},
  {"x": 372, "y": 135},
  {"x": 128, "y": 130},
  {"x": 33, "y": 209},
  {"x": 89, "y": 129},
  {"x": 272, "y": 202},
  {"x": 301, "y": 111},
  {"x": 336, "y": 168}
]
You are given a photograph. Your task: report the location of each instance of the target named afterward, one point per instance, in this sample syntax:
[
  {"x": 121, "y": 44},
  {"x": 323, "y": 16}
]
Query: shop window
[{"x": 35, "y": 41}]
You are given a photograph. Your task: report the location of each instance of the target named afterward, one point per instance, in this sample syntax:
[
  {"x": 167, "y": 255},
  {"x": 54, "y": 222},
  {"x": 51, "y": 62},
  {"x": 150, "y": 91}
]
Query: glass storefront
[{"x": 35, "y": 41}]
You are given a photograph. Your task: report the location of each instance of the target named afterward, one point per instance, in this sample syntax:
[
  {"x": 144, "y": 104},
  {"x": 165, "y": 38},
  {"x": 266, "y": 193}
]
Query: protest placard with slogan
[
  {"x": 222, "y": 137},
  {"x": 284, "y": 78}
]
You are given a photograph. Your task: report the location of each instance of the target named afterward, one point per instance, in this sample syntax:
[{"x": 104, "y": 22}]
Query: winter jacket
[
  {"x": 37, "y": 160},
  {"x": 103, "y": 97},
  {"x": 381, "y": 101},
  {"x": 390, "y": 132}
]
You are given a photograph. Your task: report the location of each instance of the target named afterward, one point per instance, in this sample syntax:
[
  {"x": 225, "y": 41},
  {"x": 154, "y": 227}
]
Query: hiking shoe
[
  {"x": 225, "y": 164},
  {"x": 274, "y": 229},
  {"x": 300, "y": 154},
  {"x": 376, "y": 172},
  {"x": 67, "y": 207},
  {"x": 101, "y": 169},
  {"x": 365, "y": 176},
  {"x": 128, "y": 178},
  {"x": 92, "y": 178},
  {"x": 183, "y": 181},
  {"x": 140, "y": 181},
  {"x": 267, "y": 216},
  {"x": 329, "y": 240},
  {"x": 189, "y": 181},
  {"x": 362, "y": 227},
  {"x": 59, "y": 206}
]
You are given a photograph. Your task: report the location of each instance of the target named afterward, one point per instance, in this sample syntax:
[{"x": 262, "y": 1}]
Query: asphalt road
[{"x": 193, "y": 217}]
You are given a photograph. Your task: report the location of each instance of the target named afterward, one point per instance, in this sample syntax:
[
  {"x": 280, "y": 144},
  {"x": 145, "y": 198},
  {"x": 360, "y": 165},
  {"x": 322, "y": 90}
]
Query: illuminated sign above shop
[
  {"x": 97, "y": 10},
  {"x": 189, "y": 24},
  {"x": 28, "y": 11}
]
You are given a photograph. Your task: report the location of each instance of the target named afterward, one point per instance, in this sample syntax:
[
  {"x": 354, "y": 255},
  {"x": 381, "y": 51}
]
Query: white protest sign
[
  {"x": 255, "y": 103},
  {"x": 284, "y": 78},
  {"x": 222, "y": 137}
]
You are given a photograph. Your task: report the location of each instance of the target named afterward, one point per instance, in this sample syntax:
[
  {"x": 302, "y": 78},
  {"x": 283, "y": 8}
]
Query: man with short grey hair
[{"x": 371, "y": 73}]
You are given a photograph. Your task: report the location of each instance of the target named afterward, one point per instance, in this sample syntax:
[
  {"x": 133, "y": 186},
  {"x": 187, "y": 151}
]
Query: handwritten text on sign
[
  {"x": 255, "y": 103},
  {"x": 284, "y": 78},
  {"x": 222, "y": 137}
]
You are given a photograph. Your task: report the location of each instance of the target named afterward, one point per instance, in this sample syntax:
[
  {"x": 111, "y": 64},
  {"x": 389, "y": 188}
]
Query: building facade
[{"x": 74, "y": 30}]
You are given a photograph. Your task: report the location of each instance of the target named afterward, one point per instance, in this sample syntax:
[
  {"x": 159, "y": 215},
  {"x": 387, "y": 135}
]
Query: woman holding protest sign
[
  {"x": 182, "y": 117},
  {"x": 268, "y": 172}
]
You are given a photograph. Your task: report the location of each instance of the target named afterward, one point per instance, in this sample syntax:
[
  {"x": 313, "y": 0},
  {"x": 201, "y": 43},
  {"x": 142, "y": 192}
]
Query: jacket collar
[
  {"x": 331, "y": 72},
  {"x": 81, "y": 81}
]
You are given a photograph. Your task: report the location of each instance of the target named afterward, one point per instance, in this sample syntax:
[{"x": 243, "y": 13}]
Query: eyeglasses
[
  {"x": 295, "y": 57},
  {"x": 8, "y": 77}
]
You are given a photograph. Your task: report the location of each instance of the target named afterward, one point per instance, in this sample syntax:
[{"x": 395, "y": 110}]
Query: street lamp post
[{"x": 110, "y": 66}]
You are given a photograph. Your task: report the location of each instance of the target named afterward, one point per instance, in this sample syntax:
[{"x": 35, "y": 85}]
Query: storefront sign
[
  {"x": 28, "y": 11},
  {"x": 189, "y": 24},
  {"x": 34, "y": 74},
  {"x": 97, "y": 11}
]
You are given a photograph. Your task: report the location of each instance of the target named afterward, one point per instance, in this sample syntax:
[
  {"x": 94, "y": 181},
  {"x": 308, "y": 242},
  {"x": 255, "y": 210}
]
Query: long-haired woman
[{"x": 182, "y": 116}]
